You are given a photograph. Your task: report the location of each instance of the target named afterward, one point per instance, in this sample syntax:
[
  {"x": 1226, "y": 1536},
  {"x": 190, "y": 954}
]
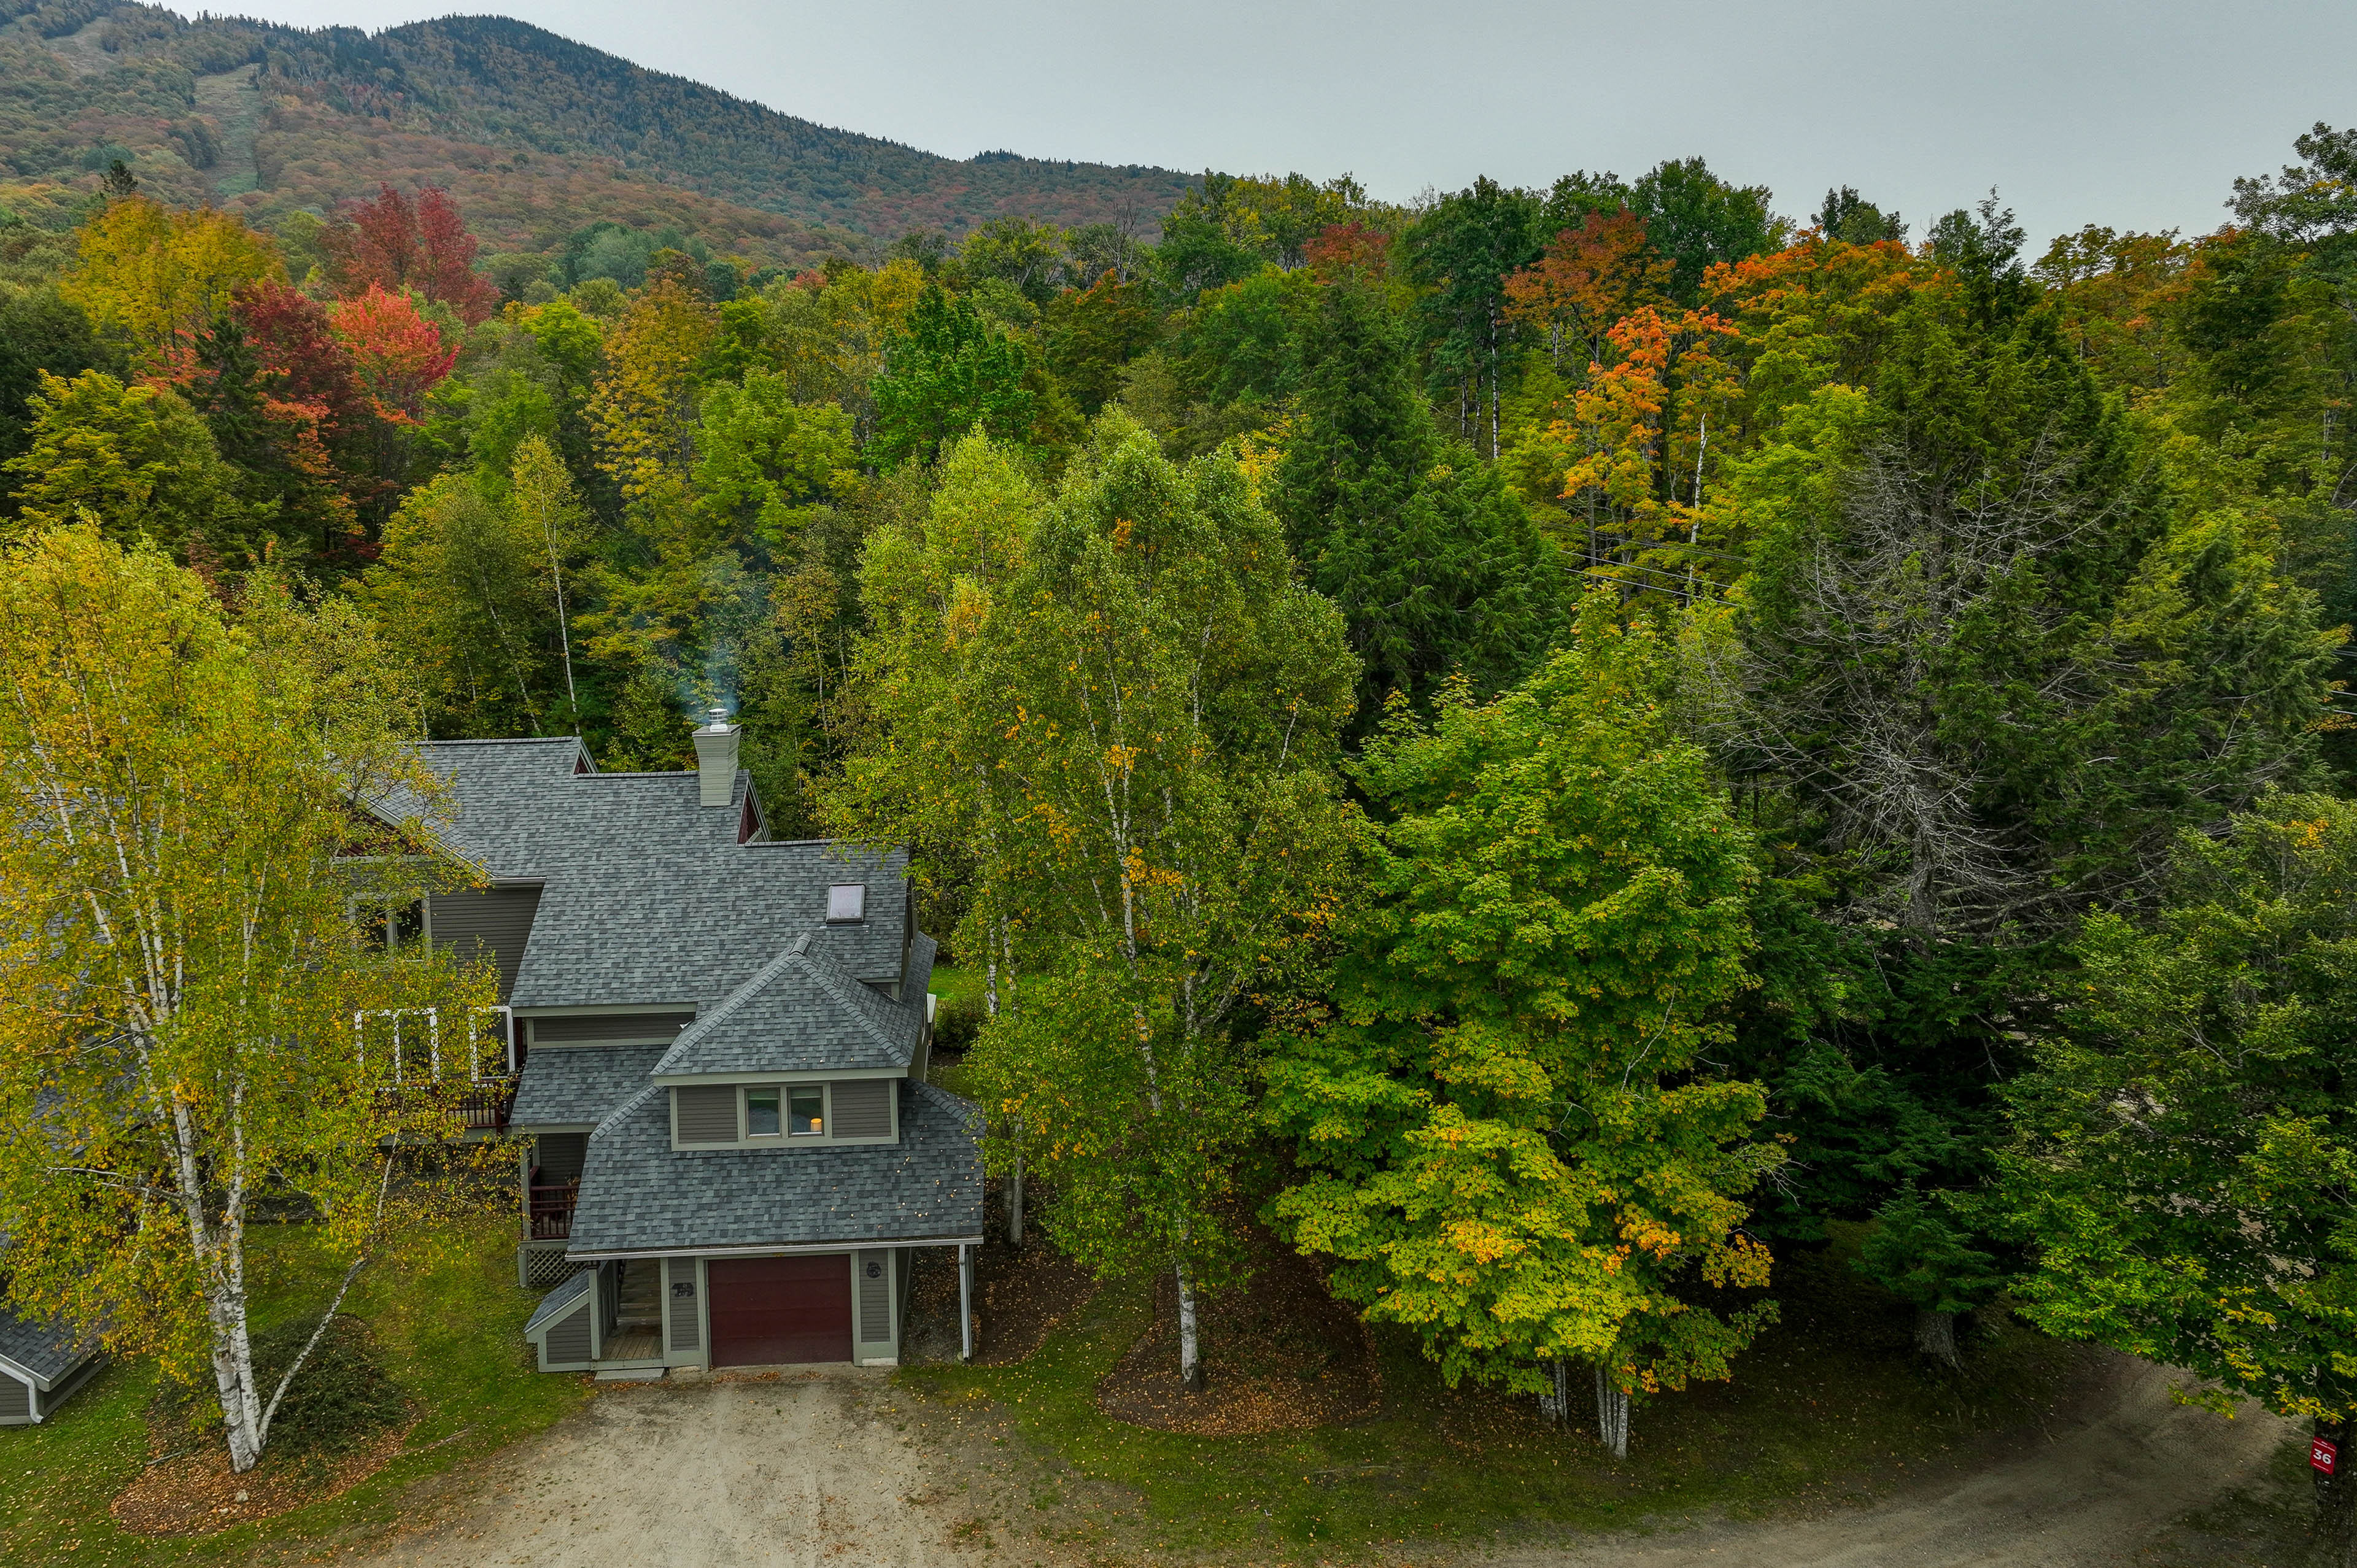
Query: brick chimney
[{"x": 716, "y": 759}]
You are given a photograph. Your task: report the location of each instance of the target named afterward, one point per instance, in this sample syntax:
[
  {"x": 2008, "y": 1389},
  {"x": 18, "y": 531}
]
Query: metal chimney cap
[{"x": 720, "y": 720}]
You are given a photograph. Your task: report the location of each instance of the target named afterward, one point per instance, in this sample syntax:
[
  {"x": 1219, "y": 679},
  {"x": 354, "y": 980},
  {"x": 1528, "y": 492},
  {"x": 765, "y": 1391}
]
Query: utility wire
[{"x": 1650, "y": 587}]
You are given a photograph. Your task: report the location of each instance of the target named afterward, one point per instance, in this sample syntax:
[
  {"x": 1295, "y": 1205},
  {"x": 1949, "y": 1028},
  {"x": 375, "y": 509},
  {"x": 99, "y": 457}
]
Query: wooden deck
[{"x": 632, "y": 1345}]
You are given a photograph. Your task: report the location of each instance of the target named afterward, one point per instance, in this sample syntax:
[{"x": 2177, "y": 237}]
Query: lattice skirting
[{"x": 540, "y": 1267}]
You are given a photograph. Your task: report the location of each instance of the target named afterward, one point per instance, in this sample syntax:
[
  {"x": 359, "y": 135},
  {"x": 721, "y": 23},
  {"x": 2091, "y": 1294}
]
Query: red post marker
[{"x": 2323, "y": 1454}]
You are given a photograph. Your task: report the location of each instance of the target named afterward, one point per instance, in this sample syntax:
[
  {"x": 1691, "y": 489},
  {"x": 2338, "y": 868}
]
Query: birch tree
[
  {"x": 181, "y": 854},
  {"x": 1124, "y": 710}
]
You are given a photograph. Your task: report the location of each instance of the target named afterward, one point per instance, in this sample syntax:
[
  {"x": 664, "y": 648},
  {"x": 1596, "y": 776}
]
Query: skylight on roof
[{"x": 845, "y": 902}]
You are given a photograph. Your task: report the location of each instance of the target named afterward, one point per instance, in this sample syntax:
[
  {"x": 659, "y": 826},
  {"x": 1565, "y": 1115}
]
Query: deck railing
[
  {"x": 471, "y": 1074},
  {"x": 549, "y": 1210},
  {"x": 480, "y": 1107}
]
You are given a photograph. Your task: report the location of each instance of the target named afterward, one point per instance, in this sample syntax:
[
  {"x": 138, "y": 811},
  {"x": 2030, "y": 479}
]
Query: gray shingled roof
[
  {"x": 640, "y": 1194},
  {"x": 801, "y": 1013},
  {"x": 646, "y": 896},
  {"x": 50, "y": 1353},
  {"x": 557, "y": 1301},
  {"x": 576, "y": 1086}
]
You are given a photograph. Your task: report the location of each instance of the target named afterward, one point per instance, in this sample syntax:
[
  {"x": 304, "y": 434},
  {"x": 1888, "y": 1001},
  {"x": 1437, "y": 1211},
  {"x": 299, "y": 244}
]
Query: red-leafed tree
[
  {"x": 1350, "y": 250},
  {"x": 1589, "y": 278},
  {"x": 310, "y": 370},
  {"x": 391, "y": 243},
  {"x": 293, "y": 339},
  {"x": 398, "y": 355}
]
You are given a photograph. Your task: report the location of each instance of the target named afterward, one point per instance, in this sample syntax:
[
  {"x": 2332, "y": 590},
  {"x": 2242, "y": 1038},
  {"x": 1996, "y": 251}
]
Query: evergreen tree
[
  {"x": 1435, "y": 561},
  {"x": 950, "y": 372}
]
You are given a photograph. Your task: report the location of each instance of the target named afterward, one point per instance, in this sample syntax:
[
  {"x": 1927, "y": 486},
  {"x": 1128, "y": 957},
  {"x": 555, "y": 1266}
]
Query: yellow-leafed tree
[{"x": 192, "y": 1015}]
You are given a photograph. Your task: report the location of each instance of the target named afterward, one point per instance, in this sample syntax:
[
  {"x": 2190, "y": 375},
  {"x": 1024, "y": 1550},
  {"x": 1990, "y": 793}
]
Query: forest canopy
[{"x": 1596, "y": 733}]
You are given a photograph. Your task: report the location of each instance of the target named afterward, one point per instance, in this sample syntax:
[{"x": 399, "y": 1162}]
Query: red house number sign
[{"x": 2323, "y": 1454}]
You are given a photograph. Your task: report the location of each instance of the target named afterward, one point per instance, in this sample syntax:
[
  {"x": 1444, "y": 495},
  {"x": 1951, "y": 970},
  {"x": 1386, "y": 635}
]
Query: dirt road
[
  {"x": 808, "y": 1468},
  {"x": 815, "y": 1468},
  {"x": 2092, "y": 1494}
]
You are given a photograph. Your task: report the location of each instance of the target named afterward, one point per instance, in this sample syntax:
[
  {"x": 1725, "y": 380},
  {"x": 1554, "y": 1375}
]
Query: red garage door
[{"x": 767, "y": 1310}]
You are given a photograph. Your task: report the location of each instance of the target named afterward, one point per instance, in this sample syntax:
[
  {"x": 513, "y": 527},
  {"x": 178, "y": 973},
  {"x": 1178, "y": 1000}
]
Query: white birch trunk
[
  {"x": 220, "y": 1266},
  {"x": 1611, "y": 1415},
  {"x": 1014, "y": 1198},
  {"x": 1556, "y": 1408},
  {"x": 1190, "y": 1359}
]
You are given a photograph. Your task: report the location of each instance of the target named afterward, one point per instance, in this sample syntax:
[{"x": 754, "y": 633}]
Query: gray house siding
[
  {"x": 707, "y": 1114},
  {"x": 875, "y": 1313},
  {"x": 487, "y": 922},
  {"x": 566, "y": 1346},
  {"x": 16, "y": 1402},
  {"x": 863, "y": 1108},
  {"x": 563, "y": 1325},
  {"x": 47, "y": 1403},
  {"x": 609, "y": 1028},
  {"x": 683, "y": 1312},
  {"x": 561, "y": 1154}
]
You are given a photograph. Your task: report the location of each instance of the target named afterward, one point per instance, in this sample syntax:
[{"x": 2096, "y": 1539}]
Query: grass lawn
[
  {"x": 1830, "y": 1405},
  {"x": 958, "y": 985},
  {"x": 451, "y": 1339}
]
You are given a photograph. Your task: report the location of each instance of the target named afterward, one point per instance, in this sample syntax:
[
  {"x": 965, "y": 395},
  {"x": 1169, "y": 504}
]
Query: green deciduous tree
[
  {"x": 1695, "y": 221},
  {"x": 1516, "y": 1152},
  {"x": 465, "y": 591},
  {"x": 2186, "y": 1153},
  {"x": 765, "y": 461},
  {"x": 1121, "y": 711},
  {"x": 1460, "y": 253},
  {"x": 39, "y": 332},
  {"x": 138, "y": 459},
  {"x": 181, "y": 849}
]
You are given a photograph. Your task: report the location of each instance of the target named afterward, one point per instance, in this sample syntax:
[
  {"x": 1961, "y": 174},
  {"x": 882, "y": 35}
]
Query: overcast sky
[{"x": 2134, "y": 113}]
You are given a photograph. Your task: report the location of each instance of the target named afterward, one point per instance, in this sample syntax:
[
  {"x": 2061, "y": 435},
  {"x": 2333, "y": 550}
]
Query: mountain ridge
[{"x": 80, "y": 79}]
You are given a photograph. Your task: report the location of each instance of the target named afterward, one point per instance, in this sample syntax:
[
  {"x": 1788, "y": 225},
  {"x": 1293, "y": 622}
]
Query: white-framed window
[
  {"x": 806, "y": 1110},
  {"x": 390, "y": 925},
  {"x": 761, "y": 1112},
  {"x": 846, "y": 903}
]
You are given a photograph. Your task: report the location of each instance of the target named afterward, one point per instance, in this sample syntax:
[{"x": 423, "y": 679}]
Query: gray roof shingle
[
  {"x": 577, "y": 1086},
  {"x": 647, "y": 898},
  {"x": 640, "y": 1194},
  {"x": 554, "y": 1304},
  {"x": 801, "y": 1013},
  {"x": 48, "y": 1352}
]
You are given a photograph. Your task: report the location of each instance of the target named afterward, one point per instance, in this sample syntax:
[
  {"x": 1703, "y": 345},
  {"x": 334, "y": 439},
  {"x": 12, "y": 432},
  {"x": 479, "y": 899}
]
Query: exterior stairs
[{"x": 640, "y": 1304}]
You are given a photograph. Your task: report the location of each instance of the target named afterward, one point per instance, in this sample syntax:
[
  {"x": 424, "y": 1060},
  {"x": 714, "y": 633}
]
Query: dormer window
[
  {"x": 806, "y": 1112},
  {"x": 846, "y": 903}
]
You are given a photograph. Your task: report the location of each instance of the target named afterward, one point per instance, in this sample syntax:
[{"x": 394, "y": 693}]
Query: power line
[
  {"x": 1650, "y": 587},
  {"x": 1693, "y": 549}
]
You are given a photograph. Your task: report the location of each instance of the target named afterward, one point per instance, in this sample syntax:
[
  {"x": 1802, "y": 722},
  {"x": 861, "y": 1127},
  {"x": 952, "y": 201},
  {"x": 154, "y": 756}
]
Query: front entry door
[{"x": 769, "y": 1310}]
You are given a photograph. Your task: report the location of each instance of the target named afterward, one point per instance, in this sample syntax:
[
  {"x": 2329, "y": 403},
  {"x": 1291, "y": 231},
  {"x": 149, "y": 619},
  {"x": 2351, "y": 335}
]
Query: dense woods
[{"x": 1546, "y": 744}]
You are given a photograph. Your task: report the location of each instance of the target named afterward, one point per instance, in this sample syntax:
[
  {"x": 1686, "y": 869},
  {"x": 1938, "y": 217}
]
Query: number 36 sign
[{"x": 2324, "y": 1455}]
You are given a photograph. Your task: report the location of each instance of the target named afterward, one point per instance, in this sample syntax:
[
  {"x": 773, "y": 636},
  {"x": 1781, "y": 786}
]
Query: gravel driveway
[
  {"x": 813, "y": 1466},
  {"x": 2096, "y": 1494},
  {"x": 802, "y": 1468}
]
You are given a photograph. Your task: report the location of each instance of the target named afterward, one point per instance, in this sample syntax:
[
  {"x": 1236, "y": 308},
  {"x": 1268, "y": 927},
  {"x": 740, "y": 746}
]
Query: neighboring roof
[
  {"x": 576, "y": 1086},
  {"x": 555, "y": 1302},
  {"x": 45, "y": 1353},
  {"x": 647, "y": 898},
  {"x": 802, "y": 1012},
  {"x": 638, "y": 1194}
]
